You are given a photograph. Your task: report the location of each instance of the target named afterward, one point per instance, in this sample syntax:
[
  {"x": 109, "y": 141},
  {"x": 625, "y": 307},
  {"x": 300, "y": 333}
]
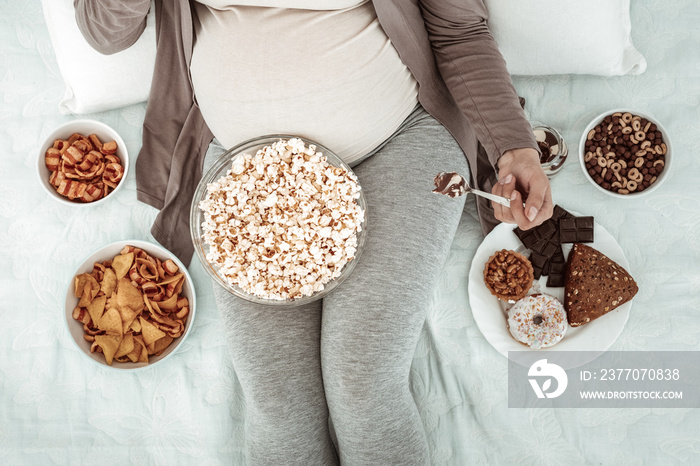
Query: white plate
[{"x": 490, "y": 313}]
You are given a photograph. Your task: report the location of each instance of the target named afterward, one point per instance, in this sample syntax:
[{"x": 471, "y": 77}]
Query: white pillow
[
  {"x": 541, "y": 37},
  {"x": 96, "y": 82},
  {"x": 536, "y": 37}
]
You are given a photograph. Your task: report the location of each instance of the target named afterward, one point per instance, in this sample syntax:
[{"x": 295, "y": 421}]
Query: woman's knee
[{"x": 362, "y": 377}]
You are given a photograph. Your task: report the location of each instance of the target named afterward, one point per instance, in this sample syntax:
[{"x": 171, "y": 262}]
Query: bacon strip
[
  {"x": 109, "y": 148},
  {"x": 53, "y": 159},
  {"x": 83, "y": 168}
]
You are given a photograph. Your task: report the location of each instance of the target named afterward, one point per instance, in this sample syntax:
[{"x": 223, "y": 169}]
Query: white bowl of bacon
[
  {"x": 82, "y": 162},
  {"x": 130, "y": 305}
]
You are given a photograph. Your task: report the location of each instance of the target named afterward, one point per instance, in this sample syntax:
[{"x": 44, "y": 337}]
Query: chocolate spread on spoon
[{"x": 450, "y": 184}]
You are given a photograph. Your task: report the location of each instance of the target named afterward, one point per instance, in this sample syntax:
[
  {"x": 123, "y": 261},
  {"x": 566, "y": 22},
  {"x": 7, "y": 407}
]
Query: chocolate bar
[
  {"x": 545, "y": 240},
  {"x": 576, "y": 230},
  {"x": 559, "y": 213},
  {"x": 538, "y": 262},
  {"x": 550, "y": 247},
  {"x": 557, "y": 269},
  {"x": 531, "y": 236},
  {"x": 542, "y": 239}
]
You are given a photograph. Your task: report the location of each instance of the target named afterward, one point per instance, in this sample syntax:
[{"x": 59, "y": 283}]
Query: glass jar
[{"x": 553, "y": 147}]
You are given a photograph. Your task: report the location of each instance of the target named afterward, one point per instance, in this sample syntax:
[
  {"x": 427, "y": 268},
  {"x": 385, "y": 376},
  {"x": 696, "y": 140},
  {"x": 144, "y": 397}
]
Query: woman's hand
[{"x": 520, "y": 176}]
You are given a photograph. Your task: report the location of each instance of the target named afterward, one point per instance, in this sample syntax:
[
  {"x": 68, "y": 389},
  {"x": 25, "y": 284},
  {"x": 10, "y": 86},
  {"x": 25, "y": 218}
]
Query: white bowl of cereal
[
  {"x": 130, "y": 305},
  {"x": 625, "y": 153},
  {"x": 82, "y": 163},
  {"x": 279, "y": 220}
]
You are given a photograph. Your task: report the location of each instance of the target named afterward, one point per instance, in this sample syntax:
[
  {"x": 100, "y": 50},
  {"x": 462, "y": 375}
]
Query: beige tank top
[{"x": 324, "y": 70}]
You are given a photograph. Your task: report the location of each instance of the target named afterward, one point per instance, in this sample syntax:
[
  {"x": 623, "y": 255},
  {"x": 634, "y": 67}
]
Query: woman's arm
[
  {"x": 110, "y": 26},
  {"x": 476, "y": 75}
]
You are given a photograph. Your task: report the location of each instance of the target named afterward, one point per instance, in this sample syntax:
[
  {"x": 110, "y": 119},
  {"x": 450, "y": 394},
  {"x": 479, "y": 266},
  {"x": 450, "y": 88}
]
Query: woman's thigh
[
  {"x": 410, "y": 231},
  {"x": 276, "y": 355},
  {"x": 275, "y": 351},
  {"x": 372, "y": 322}
]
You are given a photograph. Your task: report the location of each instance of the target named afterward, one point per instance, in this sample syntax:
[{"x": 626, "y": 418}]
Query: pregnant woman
[{"x": 401, "y": 91}]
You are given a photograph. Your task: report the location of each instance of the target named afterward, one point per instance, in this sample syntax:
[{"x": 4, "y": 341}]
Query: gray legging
[{"x": 329, "y": 381}]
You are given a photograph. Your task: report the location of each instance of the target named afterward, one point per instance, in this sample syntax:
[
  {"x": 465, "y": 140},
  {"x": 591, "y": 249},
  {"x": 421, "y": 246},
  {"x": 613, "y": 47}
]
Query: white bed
[{"x": 57, "y": 409}]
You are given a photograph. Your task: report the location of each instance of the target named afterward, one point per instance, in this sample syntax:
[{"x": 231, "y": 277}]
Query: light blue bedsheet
[{"x": 56, "y": 408}]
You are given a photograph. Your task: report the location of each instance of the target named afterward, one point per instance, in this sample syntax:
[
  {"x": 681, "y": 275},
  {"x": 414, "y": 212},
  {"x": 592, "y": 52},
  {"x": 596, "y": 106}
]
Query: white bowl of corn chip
[{"x": 129, "y": 305}]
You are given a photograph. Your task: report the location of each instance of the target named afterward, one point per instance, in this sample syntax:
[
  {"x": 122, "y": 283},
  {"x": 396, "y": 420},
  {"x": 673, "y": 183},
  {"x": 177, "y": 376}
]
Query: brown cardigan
[{"x": 463, "y": 83}]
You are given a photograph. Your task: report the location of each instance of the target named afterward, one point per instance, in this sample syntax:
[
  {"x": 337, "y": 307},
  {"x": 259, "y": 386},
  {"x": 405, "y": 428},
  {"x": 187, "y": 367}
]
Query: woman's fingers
[
  {"x": 536, "y": 210},
  {"x": 504, "y": 188}
]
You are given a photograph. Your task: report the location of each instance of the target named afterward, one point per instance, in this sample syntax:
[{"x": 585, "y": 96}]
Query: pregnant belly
[{"x": 333, "y": 79}]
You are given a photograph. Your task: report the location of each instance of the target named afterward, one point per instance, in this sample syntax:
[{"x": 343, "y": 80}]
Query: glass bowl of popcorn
[{"x": 279, "y": 220}]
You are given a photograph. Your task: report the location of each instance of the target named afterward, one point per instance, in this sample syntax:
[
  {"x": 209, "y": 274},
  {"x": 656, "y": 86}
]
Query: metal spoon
[{"x": 453, "y": 184}]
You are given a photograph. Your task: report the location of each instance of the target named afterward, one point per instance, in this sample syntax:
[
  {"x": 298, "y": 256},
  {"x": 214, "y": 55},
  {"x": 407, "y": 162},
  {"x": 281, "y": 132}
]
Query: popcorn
[{"x": 283, "y": 223}]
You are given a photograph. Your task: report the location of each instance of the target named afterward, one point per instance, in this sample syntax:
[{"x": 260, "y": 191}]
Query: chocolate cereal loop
[{"x": 625, "y": 153}]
